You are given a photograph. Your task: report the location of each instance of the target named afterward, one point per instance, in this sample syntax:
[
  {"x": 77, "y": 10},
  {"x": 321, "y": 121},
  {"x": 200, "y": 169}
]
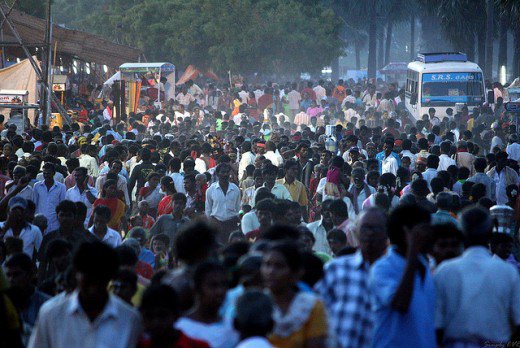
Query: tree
[{"x": 247, "y": 36}]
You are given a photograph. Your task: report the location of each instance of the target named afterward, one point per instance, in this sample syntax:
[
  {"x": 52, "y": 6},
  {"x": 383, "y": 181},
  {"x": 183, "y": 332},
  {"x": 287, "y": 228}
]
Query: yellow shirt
[
  {"x": 297, "y": 190},
  {"x": 315, "y": 327}
]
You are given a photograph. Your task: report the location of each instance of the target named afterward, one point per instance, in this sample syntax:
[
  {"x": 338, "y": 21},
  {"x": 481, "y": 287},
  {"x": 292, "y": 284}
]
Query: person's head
[
  {"x": 291, "y": 170},
  {"x": 124, "y": 284},
  {"x": 178, "y": 203},
  {"x": 222, "y": 171},
  {"x": 160, "y": 244},
  {"x": 210, "y": 285},
  {"x": 264, "y": 212},
  {"x": 480, "y": 164},
  {"x": 17, "y": 207},
  {"x": 339, "y": 211},
  {"x": 94, "y": 273},
  {"x": 448, "y": 242},
  {"x": 195, "y": 242},
  {"x": 282, "y": 267},
  {"x": 476, "y": 225},
  {"x": 401, "y": 222},
  {"x": 143, "y": 207},
  {"x": 109, "y": 189},
  {"x": 80, "y": 175},
  {"x": 501, "y": 244},
  {"x": 101, "y": 217},
  {"x": 432, "y": 161},
  {"x": 371, "y": 233},
  {"x": 501, "y": 159},
  {"x": 66, "y": 212},
  {"x": 444, "y": 201},
  {"x": 270, "y": 173},
  {"x": 40, "y": 221},
  {"x": 337, "y": 240},
  {"x": 159, "y": 309},
  {"x": 48, "y": 171},
  {"x": 20, "y": 272},
  {"x": 59, "y": 254},
  {"x": 420, "y": 188},
  {"x": 253, "y": 314},
  {"x": 358, "y": 177}
]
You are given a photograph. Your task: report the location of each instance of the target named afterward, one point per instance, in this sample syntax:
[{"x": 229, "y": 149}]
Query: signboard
[
  {"x": 11, "y": 99},
  {"x": 513, "y": 106},
  {"x": 58, "y": 87},
  {"x": 452, "y": 77}
]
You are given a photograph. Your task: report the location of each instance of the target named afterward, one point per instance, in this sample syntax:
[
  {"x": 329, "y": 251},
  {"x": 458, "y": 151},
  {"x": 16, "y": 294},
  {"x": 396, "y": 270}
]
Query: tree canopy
[{"x": 246, "y": 36}]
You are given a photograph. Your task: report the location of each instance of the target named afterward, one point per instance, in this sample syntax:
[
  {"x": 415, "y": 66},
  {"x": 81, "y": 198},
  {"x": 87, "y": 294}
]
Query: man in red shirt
[
  {"x": 266, "y": 100},
  {"x": 310, "y": 92}
]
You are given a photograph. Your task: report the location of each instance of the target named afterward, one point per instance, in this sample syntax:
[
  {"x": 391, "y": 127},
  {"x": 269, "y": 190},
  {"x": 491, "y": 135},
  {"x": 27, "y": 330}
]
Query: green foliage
[{"x": 265, "y": 36}]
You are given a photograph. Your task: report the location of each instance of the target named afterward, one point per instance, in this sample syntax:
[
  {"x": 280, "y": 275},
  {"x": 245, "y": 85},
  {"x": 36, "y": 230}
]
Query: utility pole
[
  {"x": 488, "y": 68},
  {"x": 46, "y": 89}
]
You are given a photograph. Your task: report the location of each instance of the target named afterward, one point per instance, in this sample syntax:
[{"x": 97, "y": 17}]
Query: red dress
[
  {"x": 182, "y": 342},
  {"x": 165, "y": 206}
]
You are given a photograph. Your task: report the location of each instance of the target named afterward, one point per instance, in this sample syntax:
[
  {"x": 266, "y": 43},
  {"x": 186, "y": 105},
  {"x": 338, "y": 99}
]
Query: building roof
[{"x": 81, "y": 45}]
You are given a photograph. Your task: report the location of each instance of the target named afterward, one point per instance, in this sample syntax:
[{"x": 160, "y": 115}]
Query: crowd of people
[{"x": 310, "y": 214}]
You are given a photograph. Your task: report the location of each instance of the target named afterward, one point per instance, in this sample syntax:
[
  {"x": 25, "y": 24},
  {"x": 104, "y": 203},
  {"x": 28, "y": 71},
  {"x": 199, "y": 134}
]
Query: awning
[
  {"x": 81, "y": 45},
  {"x": 394, "y": 68},
  {"x": 191, "y": 73}
]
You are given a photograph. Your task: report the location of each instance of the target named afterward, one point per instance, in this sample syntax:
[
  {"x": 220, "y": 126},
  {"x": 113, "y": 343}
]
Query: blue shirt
[
  {"x": 381, "y": 156},
  {"x": 416, "y": 328},
  {"x": 147, "y": 256}
]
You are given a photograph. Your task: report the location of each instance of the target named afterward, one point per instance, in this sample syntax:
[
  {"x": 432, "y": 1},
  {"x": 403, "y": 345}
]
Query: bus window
[{"x": 447, "y": 88}]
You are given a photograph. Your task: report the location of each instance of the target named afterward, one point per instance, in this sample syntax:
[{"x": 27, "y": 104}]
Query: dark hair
[
  {"x": 291, "y": 254},
  {"x": 290, "y": 163},
  {"x": 126, "y": 255},
  {"x": 160, "y": 296},
  {"x": 203, "y": 269},
  {"x": 338, "y": 235},
  {"x": 193, "y": 242},
  {"x": 405, "y": 216},
  {"x": 102, "y": 267},
  {"x": 66, "y": 206},
  {"x": 21, "y": 260},
  {"x": 339, "y": 207},
  {"x": 57, "y": 247},
  {"x": 312, "y": 268},
  {"x": 281, "y": 232},
  {"x": 103, "y": 211}
]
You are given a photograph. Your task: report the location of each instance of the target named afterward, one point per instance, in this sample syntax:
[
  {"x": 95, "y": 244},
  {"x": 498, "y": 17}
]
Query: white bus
[{"x": 442, "y": 81}]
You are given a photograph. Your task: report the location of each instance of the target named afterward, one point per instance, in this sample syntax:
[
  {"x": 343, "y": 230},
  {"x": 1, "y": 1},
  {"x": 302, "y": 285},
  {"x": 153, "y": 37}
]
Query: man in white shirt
[
  {"x": 244, "y": 95},
  {"x": 320, "y": 229},
  {"x": 246, "y": 159},
  {"x": 223, "y": 203},
  {"x": 320, "y": 91},
  {"x": 18, "y": 173},
  {"x": 82, "y": 191},
  {"x": 432, "y": 162},
  {"x": 444, "y": 159},
  {"x": 17, "y": 226},
  {"x": 294, "y": 97},
  {"x": 406, "y": 147},
  {"x": 100, "y": 228},
  {"x": 478, "y": 295},
  {"x": 90, "y": 316},
  {"x": 269, "y": 174},
  {"x": 47, "y": 194},
  {"x": 272, "y": 155},
  {"x": 513, "y": 149},
  {"x": 89, "y": 162}
]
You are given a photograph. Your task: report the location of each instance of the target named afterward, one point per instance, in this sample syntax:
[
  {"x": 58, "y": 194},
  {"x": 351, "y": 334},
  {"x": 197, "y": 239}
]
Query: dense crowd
[{"x": 279, "y": 215}]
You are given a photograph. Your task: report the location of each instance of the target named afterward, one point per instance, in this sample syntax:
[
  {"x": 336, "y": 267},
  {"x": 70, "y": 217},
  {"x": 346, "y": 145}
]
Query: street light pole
[{"x": 47, "y": 89}]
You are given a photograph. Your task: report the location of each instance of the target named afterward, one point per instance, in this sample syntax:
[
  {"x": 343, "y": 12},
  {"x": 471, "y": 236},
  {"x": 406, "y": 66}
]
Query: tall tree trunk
[
  {"x": 380, "y": 47},
  {"x": 372, "y": 40},
  {"x": 388, "y": 42},
  {"x": 430, "y": 34},
  {"x": 502, "y": 42},
  {"x": 481, "y": 47},
  {"x": 470, "y": 48},
  {"x": 412, "y": 37},
  {"x": 335, "y": 69},
  {"x": 490, "y": 13},
  {"x": 357, "y": 47},
  {"x": 516, "y": 55}
]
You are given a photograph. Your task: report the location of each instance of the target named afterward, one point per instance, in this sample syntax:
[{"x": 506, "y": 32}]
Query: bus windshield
[{"x": 446, "y": 89}]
